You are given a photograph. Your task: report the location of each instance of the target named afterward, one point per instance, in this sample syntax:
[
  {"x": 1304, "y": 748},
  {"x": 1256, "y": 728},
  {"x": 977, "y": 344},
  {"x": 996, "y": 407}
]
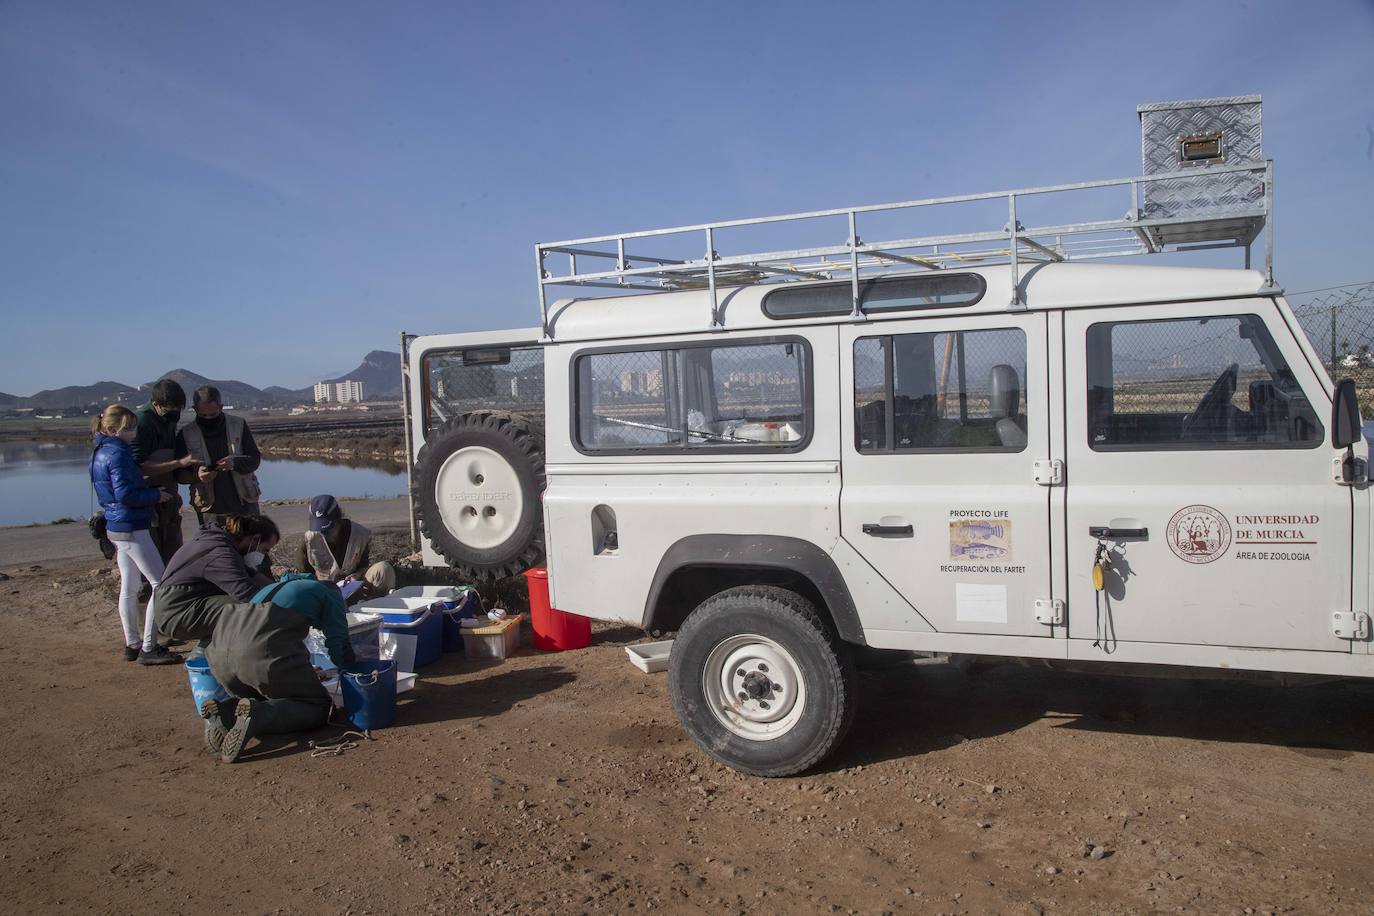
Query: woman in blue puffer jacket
[{"x": 128, "y": 503}]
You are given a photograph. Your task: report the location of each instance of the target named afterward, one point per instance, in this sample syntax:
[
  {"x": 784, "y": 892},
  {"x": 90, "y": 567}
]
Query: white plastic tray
[{"x": 650, "y": 657}]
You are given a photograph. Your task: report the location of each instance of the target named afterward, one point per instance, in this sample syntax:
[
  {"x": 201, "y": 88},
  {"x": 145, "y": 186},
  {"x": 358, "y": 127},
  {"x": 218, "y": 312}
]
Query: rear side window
[
  {"x": 750, "y": 396},
  {"x": 1194, "y": 383},
  {"x": 490, "y": 378},
  {"x": 947, "y": 391},
  {"x": 878, "y": 295}
]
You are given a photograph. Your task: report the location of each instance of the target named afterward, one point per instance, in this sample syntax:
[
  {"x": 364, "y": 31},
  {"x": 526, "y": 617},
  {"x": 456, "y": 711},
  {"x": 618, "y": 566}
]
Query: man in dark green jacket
[{"x": 154, "y": 448}]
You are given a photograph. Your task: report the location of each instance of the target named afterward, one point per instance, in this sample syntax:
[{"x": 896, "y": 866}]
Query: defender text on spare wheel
[{"x": 477, "y": 485}]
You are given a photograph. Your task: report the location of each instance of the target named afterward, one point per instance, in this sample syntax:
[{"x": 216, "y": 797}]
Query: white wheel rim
[
  {"x": 479, "y": 497},
  {"x": 754, "y": 687}
]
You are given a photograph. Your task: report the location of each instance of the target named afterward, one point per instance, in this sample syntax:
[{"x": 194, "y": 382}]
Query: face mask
[
  {"x": 173, "y": 415},
  {"x": 254, "y": 558}
]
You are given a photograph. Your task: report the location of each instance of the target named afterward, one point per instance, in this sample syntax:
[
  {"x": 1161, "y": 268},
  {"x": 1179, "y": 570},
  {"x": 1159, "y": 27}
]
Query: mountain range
[{"x": 379, "y": 372}]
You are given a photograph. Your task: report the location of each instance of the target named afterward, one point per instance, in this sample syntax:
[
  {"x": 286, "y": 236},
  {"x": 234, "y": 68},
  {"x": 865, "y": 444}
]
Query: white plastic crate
[{"x": 498, "y": 640}]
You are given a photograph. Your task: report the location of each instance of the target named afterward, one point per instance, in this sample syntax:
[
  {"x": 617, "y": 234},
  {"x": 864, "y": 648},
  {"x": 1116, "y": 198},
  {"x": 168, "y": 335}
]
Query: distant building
[{"x": 338, "y": 392}]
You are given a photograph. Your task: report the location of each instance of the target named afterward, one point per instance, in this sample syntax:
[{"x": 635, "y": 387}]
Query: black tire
[
  {"x": 820, "y": 661},
  {"x": 519, "y": 446}
]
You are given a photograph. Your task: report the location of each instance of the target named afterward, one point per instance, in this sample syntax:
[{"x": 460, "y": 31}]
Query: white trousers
[{"x": 136, "y": 557}]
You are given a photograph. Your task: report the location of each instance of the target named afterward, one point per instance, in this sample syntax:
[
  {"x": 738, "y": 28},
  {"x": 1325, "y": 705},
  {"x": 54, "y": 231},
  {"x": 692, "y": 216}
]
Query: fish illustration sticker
[{"x": 980, "y": 539}]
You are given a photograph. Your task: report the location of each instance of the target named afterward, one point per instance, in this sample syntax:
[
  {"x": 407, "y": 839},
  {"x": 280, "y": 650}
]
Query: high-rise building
[
  {"x": 323, "y": 392},
  {"x": 348, "y": 392}
]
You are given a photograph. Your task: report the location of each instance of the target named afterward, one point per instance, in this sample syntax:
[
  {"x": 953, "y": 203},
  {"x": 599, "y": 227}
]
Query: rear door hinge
[
  {"x": 1049, "y": 472},
  {"x": 1349, "y": 470},
  {"x": 1350, "y": 625},
  {"x": 1049, "y": 611}
]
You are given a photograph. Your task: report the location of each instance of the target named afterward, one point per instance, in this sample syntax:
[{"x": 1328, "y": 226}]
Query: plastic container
[
  {"x": 650, "y": 657},
  {"x": 203, "y": 684},
  {"x": 467, "y": 606},
  {"x": 369, "y": 693},
  {"x": 412, "y": 632},
  {"x": 414, "y": 640},
  {"x": 554, "y": 630},
  {"x": 365, "y": 633},
  {"x": 498, "y": 640}
]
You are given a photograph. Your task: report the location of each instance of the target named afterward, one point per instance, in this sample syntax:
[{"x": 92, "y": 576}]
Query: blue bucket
[
  {"x": 369, "y": 693},
  {"x": 203, "y": 684}
]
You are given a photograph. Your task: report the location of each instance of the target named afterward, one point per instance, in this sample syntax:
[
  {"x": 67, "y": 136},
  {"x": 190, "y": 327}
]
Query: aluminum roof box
[{"x": 1201, "y": 135}]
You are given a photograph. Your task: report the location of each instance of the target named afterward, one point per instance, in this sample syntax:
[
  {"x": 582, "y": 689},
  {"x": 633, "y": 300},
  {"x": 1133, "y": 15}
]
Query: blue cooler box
[{"x": 409, "y": 624}]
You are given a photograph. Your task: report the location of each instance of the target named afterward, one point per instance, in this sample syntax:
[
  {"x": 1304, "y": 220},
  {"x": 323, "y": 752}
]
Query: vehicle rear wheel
[
  {"x": 477, "y": 485},
  {"x": 760, "y": 683}
]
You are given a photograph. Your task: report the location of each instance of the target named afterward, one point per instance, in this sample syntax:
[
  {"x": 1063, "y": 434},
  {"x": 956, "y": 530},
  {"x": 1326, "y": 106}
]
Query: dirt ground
[{"x": 561, "y": 783}]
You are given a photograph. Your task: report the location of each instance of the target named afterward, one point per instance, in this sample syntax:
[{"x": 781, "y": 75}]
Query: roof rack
[{"x": 1224, "y": 206}]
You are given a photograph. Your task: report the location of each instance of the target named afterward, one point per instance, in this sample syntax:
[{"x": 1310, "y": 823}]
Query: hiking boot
[
  {"x": 158, "y": 656},
  {"x": 131, "y": 653},
  {"x": 213, "y": 712},
  {"x": 238, "y": 736}
]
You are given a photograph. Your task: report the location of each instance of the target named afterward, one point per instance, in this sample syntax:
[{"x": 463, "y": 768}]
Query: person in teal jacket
[
  {"x": 319, "y": 602},
  {"x": 258, "y": 654}
]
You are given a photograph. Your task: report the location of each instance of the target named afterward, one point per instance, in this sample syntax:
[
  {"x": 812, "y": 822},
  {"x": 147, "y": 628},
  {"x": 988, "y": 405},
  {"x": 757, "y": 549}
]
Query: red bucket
[{"x": 554, "y": 630}]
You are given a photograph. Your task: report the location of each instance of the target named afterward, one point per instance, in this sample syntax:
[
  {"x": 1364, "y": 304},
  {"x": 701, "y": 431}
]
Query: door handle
[
  {"x": 888, "y": 531},
  {"x": 1102, "y": 532}
]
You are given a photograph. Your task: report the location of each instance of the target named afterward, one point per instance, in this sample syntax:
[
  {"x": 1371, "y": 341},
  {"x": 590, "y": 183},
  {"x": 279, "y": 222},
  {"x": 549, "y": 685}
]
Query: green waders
[{"x": 256, "y": 651}]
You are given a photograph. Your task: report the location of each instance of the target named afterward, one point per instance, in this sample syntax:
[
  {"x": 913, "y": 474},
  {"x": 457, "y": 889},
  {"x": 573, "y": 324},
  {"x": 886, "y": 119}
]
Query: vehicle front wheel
[{"x": 759, "y": 682}]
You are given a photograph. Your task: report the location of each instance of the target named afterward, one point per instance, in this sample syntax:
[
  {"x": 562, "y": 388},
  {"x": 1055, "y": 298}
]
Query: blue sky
[{"x": 266, "y": 191}]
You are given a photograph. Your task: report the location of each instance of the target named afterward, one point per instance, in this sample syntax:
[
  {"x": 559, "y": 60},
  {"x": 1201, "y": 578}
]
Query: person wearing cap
[{"x": 337, "y": 549}]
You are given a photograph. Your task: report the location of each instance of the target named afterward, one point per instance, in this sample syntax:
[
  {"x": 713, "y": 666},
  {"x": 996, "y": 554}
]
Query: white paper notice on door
[{"x": 978, "y": 603}]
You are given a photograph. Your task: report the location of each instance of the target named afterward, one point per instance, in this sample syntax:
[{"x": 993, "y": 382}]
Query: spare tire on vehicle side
[{"x": 477, "y": 484}]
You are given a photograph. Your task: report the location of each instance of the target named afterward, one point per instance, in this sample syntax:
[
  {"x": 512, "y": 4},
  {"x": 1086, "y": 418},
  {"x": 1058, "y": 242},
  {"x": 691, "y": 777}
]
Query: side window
[
  {"x": 631, "y": 399},
  {"x": 756, "y": 394},
  {"x": 1193, "y": 383},
  {"x": 747, "y": 395},
  {"x": 944, "y": 391},
  {"x": 499, "y": 378}
]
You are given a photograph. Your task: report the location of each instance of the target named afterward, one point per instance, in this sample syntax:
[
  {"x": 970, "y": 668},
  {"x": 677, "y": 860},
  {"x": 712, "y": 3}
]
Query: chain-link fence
[
  {"x": 1340, "y": 324},
  {"x": 700, "y": 396},
  {"x": 960, "y": 390},
  {"x": 503, "y": 378}
]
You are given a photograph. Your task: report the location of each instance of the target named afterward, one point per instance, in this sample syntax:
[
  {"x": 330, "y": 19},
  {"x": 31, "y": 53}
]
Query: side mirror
[{"x": 1345, "y": 415}]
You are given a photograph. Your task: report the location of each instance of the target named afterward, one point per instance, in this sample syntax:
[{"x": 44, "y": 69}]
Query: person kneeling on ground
[
  {"x": 258, "y": 654},
  {"x": 336, "y": 548},
  {"x": 256, "y": 650},
  {"x": 217, "y": 566}
]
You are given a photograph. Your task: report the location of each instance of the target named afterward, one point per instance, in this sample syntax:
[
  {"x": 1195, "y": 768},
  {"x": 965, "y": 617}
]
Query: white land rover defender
[{"x": 965, "y": 443}]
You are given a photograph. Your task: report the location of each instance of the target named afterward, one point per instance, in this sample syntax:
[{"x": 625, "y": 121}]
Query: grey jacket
[{"x": 210, "y": 558}]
